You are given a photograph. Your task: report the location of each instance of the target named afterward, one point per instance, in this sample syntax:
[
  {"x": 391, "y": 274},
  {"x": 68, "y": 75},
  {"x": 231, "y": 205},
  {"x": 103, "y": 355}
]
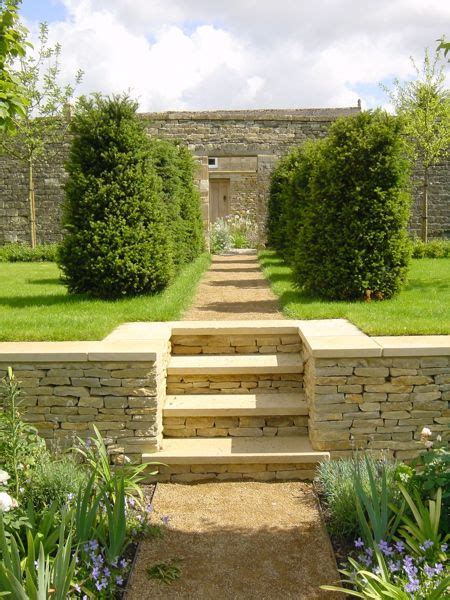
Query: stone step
[
  {"x": 236, "y": 364},
  {"x": 235, "y": 405},
  {"x": 262, "y": 459}
]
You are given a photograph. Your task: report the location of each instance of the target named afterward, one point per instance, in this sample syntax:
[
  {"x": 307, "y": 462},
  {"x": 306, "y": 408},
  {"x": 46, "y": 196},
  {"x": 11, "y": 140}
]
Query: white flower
[
  {"x": 4, "y": 476},
  {"x": 439, "y": 438},
  {"x": 7, "y": 502},
  {"x": 425, "y": 432},
  {"x": 428, "y": 444}
]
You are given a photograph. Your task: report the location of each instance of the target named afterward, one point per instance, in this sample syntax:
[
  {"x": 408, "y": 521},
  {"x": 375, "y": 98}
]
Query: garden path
[
  {"x": 238, "y": 541},
  {"x": 234, "y": 288}
]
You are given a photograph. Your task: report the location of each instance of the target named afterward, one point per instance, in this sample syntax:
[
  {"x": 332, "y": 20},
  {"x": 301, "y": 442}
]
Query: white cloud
[{"x": 236, "y": 54}]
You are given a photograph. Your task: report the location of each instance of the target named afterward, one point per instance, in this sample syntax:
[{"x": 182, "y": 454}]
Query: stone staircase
[{"x": 235, "y": 406}]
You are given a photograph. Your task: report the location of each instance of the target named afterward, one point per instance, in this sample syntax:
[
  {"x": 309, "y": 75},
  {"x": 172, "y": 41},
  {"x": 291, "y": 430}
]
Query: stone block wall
[
  {"x": 122, "y": 399},
  {"x": 234, "y": 384},
  {"x": 282, "y": 426},
  {"x": 377, "y": 403},
  {"x": 235, "y": 472},
  {"x": 235, "y": 344},
  {"x": 265, "y": 134}
]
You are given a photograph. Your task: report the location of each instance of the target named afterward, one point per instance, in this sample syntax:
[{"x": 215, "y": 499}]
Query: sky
[{"x": 237, "y": 54}]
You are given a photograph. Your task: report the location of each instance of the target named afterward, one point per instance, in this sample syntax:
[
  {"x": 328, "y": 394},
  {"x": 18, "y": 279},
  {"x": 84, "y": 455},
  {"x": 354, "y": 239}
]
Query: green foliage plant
[
  {"x": 95, "y": 453},
  {"x": 20, "y": 445},
  {"x": 116, "y": 242},
  {"x": 44, "y": 122},
  {"x": 13, "y": 45},
  {"x": 25, "y": 253},
  {"x": 352, "y": 231},
  {"x": 424, "y": 106},
  {"x": 166, "y": 572},
  {"x": 431, "y": 249},
  {"x": 176, "y": 167}
]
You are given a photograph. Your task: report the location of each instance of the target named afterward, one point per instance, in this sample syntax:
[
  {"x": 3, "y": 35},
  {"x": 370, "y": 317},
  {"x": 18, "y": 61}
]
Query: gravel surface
[
  {"x": 238, "y": 541},
  {"x": 234, "y": 287}
]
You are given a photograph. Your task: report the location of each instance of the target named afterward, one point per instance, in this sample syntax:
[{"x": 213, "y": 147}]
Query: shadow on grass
[
  {"x": 53, "y": 281},
  {"x": 43, "y": 300}
]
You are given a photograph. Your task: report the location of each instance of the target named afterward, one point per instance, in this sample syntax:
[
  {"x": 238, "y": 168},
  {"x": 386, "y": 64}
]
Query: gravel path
[
  {"x": 238, "y": 541},
  {"x": 234, "y": 287}
]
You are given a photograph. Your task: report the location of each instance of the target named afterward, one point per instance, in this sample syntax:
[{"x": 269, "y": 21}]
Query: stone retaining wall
[
  {"x": 235, "y": 472},
  {"x": 64, "y": 396},
  {"x": 234, "y": 384},
  {"x": 235, "y": 344},
  {"x": 235, "y": 426}
]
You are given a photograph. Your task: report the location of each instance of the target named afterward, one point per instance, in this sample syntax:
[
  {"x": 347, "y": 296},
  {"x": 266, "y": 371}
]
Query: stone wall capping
[
  {"x": 79, "y": 351},
  {"x": 140, "y": 331},
  {"x": 327, "y": 327},
  {"x": 242, "y": 327},
  {"x": 337, "y": 346},
  {"x": 414, "y": 345},
  {"x": 299, "y": 114}
]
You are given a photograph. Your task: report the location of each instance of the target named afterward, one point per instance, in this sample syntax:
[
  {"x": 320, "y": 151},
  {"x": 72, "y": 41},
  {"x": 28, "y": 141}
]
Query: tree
[
  {"x": 117, "y": 242},
  {"x": 444, "y": 45},
  {"x": 44, "y": 121},
  {"x": 13, "y": 44},
  {"x": 424, "y": 105}
]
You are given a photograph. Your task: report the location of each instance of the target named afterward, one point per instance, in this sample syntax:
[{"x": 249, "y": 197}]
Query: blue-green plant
[
  {"x": 220, "y": 240},
  {"x": 372, "y": 505}
]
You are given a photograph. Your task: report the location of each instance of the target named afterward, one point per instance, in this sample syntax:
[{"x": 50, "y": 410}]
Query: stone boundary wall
[{"x": 266, "y": 134}]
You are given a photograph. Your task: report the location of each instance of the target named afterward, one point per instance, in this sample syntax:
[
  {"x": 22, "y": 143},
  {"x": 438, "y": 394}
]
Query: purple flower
[
  {"x": 444, "y": 547},
  {"x": 359, "y": 543},
  {"x": 427, "y": 544},
  {"x": 385, "y": 548},
  {"x": 123, "y": 564},
  {"x": 165, "y": 520},
  {"x": 438, "y": 568},
  {"x": 106, "y": 572},
  {"x": 412, "y": 586},
  {"x": 149, "y": 508},
  {"x": 119, "y": 580},
  {"x": 394, "y": 566},
  {"x": 369, "y": 552},
  {"x": 429, "y": 571},
  {"x": 399, "y": 546},
  {"x": 77, "y": 588}
]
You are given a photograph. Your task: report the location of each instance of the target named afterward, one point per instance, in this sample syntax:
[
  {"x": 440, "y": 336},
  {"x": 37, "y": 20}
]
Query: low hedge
[{"x": 23, "y": 253}]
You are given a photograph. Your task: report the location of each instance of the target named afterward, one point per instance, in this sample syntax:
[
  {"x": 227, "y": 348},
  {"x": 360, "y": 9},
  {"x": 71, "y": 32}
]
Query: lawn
[
  {"x": 423, "y": 307},
  {"x": 35, "y": 305}
]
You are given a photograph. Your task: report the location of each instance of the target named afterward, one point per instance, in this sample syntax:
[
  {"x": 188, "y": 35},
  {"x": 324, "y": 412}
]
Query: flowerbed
[
  {"x": 69, "y": 521},
  {"x": 399, "y": 518}
]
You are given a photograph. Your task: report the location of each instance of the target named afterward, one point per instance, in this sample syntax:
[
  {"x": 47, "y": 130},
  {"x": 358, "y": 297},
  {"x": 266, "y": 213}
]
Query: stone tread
[
  {"x": 209, "y": 405},
  {"x": 236, "y": 451},
  {"x": 240, "y": 364}
]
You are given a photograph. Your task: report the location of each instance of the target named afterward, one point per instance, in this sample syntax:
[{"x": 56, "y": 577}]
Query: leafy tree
[
  {"x": 13, "y": 44},
  {"x": 44, "y": 121},
  {"x": 424, "y": 105},
  {"x": 444, "y": 45},
  {"x": 117, "y": 242}
]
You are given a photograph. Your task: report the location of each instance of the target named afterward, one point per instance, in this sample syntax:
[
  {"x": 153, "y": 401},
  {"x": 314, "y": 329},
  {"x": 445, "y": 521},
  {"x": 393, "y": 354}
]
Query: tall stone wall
[{"x": 266, "y": 134}]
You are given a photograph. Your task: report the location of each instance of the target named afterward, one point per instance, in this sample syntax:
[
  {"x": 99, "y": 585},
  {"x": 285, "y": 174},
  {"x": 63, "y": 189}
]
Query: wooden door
[{"x": 219, "y": 199}]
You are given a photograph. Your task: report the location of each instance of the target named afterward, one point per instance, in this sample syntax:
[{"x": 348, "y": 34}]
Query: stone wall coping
[
  {"x": 242, "y": 327},
  {"x": 414, "y": 345},
  {"x": 79, "y": 351},
  {"x": 338, "y": 346},
  {"x": 294, "y": 114}
]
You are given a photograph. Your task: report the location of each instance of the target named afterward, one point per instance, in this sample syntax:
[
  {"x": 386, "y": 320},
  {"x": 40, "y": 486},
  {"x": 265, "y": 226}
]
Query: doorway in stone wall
[{"x": 219, "y": 199}]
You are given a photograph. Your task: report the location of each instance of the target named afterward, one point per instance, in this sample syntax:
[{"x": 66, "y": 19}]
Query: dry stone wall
[
  {"x": 122, "y": 399},
  {"x": 377, "y": 403},
  {"x": 266, "y": 134}
]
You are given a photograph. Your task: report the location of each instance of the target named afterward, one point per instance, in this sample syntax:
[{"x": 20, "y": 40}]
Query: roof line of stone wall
[{"x": 294, "y": 114}]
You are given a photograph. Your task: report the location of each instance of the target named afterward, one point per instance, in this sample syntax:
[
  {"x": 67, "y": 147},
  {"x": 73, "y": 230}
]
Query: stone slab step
[
  {"x": 239, "y": 364},
  {"x": 236, "y": 405},
  {"x": 196, "y": 451}
]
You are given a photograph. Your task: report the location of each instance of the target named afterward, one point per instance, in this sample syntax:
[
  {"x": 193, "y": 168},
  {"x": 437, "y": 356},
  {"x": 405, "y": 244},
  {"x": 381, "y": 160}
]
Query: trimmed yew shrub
[
  {"x": 117, "y": 242},
  {"x": 352, "y": 238},
  {"x": 175, "y": 167}
]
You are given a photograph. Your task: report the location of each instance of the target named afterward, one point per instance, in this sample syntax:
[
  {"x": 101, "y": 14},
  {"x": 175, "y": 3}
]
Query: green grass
[
  {"x": 423, "y": 307},
  {"x": 35, "y": 305}
]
